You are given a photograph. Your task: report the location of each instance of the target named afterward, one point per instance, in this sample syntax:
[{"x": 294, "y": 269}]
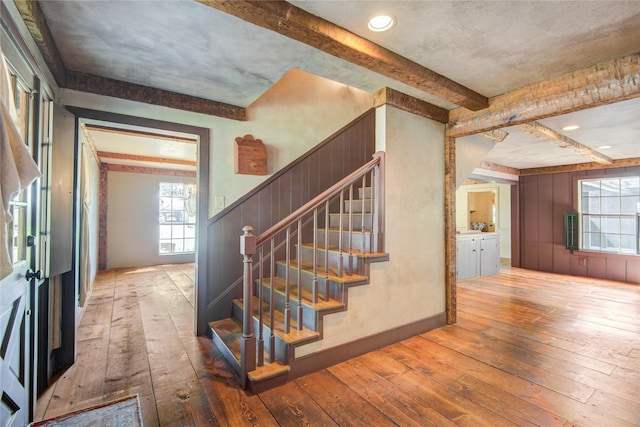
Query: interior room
[{"x": 320, "y": 213}]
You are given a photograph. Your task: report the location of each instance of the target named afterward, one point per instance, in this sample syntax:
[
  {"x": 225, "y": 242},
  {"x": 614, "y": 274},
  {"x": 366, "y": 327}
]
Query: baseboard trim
[{"x": 334, "y": 355}]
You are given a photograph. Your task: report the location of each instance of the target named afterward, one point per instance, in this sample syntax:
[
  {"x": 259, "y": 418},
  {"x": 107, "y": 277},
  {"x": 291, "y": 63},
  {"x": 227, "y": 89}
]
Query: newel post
[{"x": 248, "y": 343}]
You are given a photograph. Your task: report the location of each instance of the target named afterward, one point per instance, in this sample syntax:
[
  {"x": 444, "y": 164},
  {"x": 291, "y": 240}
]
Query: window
[
  {"x": 18, "y": 206},
  {"x": 609, "y": 209},
  {"x": 177, "y": 220}
]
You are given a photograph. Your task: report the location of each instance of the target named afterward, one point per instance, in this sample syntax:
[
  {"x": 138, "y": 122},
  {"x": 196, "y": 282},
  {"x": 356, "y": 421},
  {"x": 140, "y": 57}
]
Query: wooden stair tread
[
  {"x": 307, "y": 267},
  {"x": 307, "y": 296},
  {"x": 355, "y": 252},
  {"x": 268, "y": 371},
  {"x": 230, "y": 332},
  {"x": 337, "y": 230},
  {"x": 294, "y": 337}
]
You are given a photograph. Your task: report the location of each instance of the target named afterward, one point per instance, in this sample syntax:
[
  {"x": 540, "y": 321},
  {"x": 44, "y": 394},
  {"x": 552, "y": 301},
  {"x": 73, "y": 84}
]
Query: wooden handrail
[
  {"x": 251, "y": 245},
  {"x": 321, "y": 198}
]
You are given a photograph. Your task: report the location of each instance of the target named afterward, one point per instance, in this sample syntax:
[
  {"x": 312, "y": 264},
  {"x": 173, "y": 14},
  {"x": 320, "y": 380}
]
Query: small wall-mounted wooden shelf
[{"x": 250, "y": 156}]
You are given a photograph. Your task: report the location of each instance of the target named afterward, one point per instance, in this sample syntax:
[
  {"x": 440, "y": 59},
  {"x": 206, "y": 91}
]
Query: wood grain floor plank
[
  {"x": 415, "y": 353},
  {"x": 290, "y": 405},
  {"x": 341, "y": 403},
  {"x": 529, "y": 349},
  {"x": 389, "y": 399}
]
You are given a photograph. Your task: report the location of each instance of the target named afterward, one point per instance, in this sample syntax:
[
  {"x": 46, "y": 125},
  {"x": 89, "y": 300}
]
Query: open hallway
[{"x": 529, "y": 348}]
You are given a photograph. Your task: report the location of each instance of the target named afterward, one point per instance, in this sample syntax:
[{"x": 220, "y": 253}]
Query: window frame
[
  {"x": 582, "y": 216},
  {"x": 183, "y": 220}
]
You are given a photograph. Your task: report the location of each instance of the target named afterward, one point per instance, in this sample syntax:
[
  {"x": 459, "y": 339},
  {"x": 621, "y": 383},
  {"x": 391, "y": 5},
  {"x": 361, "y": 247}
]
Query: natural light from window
[
  {"x": 610, "y": 209},
  {"x": 177, "y": 218}
]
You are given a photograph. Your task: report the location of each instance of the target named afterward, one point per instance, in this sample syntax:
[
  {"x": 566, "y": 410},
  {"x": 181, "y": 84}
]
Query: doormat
[{"x": 119, "y": 413}]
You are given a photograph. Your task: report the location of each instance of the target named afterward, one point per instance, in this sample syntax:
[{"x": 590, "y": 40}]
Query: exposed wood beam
[
  {"x": 33, "y": 18},
  {"x": 139, "y": 133},
  {"x": 497, "y": 135},
  {"x": 388, "y": 96},
  {"x": 139, "y": 158},
  {"x": 546, "y": 134},
  {"x": 450, "y": 260},
  {"x": 111, "y": 167},
  {"x": 601, "y": 84},
  {"x": 498, "y": 168},
  {"x": 622, "y": 163},
  {"x": 295, "y": 23},
  {"x": 118, "y": 89}
]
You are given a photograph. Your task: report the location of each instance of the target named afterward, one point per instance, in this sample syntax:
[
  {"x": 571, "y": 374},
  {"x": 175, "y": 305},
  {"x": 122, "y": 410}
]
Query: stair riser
[
  {"x": 310, "y": 317},
  {"x": 281, "y": 353},
  {"x": 334, "y": 221},
  {"x": 335, "y": 289},
  {"x": 334, "y": 258},
  {"x": 357, "y": 239},
  {"x": 357, "y": 206},
  {"x": 364, "y": 193}
]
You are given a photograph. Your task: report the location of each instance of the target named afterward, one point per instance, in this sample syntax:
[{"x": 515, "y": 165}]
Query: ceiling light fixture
[
  {"x": 604, "y": 147},
  {"x": 571, "y": 127},
  {"x": 381, "y": 22}
]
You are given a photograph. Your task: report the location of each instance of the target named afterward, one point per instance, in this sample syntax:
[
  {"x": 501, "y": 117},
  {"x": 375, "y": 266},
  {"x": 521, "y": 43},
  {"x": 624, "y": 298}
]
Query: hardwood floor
[{"x": 529, "y": 349}]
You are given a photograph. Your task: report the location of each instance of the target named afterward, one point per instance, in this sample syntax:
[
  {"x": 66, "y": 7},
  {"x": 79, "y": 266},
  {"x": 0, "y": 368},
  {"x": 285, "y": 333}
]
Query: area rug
[{"x": 119, "y": 413}]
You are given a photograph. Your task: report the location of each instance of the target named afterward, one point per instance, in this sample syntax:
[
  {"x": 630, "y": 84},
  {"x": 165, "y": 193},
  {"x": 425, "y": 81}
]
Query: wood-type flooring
[{"x": 529, "y": 349}]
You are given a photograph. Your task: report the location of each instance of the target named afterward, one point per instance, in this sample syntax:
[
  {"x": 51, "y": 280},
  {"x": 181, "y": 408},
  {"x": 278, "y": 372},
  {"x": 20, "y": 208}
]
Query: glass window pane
[
  {"x": 630, "y": 204},
  {"x": 610, "y": 242},
  {"x": 178, "y": 246},
  {"x": 591, "y": 205},
  {"x": 190, "y": 245},
  {"x": 630, "y": 186},
  {"x": 628, "y": 244},
  {"x": 611, "y": 224},
  {"x": 165, "y": 189},
  {"x": 591, "y": 241},
  {"x": 166, "y": 247},
  {"x": 591, "y": 224},
  {"x": 610, "y": 187},
  {"x": 628, "y": 225},
  {"x": 177, "y": 231},
  {"x": 611, "y": 205},
  {"x": 190, "y": 231},
  {"x": 591, "y": 188},
  {"x": 165, "y": 232}
]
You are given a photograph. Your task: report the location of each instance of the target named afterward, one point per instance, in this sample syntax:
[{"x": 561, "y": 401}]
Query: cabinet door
[
  {"x": 467, "y": 258},
  {"x": 489, "y": 256}
]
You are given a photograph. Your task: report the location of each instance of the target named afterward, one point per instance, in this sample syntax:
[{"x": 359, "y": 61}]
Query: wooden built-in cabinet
[{"x": 478, "y": 255}]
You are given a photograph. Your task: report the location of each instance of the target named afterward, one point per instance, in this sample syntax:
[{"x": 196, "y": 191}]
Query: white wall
[
  {"x": 132, "y": 220},
  {"x": 410, "y": 286},
  {"x": 503, "y": 211},
  {"x": 89, "y": 214}
]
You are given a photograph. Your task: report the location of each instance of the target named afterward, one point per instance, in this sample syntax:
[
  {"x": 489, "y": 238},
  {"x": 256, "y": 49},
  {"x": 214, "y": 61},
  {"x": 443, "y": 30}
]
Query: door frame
[{"x": 202, "y": 168}]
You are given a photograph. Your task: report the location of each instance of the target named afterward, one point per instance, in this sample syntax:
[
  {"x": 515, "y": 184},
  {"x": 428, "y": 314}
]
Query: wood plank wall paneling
[
  {"x": 287, "y": 190},
  {"x": 542, "y": 201}
]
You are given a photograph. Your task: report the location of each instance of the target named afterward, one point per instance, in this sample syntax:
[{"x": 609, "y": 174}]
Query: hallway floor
[{"x": 529, "y": 349}]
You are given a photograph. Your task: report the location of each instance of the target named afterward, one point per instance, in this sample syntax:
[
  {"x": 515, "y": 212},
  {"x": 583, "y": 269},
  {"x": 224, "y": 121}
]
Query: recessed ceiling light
[
  {"x": 381, "y": 22},
  {"x": 572, "y": 127},
  {"x": 604, "y": 147}
]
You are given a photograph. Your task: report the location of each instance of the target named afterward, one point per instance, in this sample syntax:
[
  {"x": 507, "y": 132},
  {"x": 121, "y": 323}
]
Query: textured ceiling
[{"x": 492, "y": 47}]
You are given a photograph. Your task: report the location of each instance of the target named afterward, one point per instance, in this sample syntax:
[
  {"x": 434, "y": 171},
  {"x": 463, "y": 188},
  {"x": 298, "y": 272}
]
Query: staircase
[{"x": 303, "y": 270}]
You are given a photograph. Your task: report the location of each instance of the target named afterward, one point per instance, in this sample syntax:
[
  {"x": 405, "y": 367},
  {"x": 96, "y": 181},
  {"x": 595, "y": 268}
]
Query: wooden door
[
  {"x": 15, "y": 317},
  {"x": 489, "y": 255},
  {"x": 19, "y": 235}
]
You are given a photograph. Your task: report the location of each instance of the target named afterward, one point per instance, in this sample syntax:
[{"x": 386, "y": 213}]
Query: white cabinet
[{"x": 478, "y": 255}]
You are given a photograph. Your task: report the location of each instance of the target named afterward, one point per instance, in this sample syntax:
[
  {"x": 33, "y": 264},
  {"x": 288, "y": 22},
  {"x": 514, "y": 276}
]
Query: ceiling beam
[
  {"x": 33, "y": 18},
  {"x": 601, "y": 84},
  {"x": 295, "y": 23},
  {"x": 111, "y": 167},
  {"x": 138, "y": 158},
  {"x": 35, "y": 21},
  {"x": 621, "y": 163},
  {"x": 547, "y": 134},
  {"x": 139, "y": 133},
  {"x": 497, "y": 135},
  {"x": 118, "y": 89},
  {"x": 388, "y": 96},
  {"x": 498, "y": 168}
]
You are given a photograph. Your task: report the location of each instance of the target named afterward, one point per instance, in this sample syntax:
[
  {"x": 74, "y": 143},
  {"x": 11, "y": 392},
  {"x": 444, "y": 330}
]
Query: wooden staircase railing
[{"x": 302, "y": 222}]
